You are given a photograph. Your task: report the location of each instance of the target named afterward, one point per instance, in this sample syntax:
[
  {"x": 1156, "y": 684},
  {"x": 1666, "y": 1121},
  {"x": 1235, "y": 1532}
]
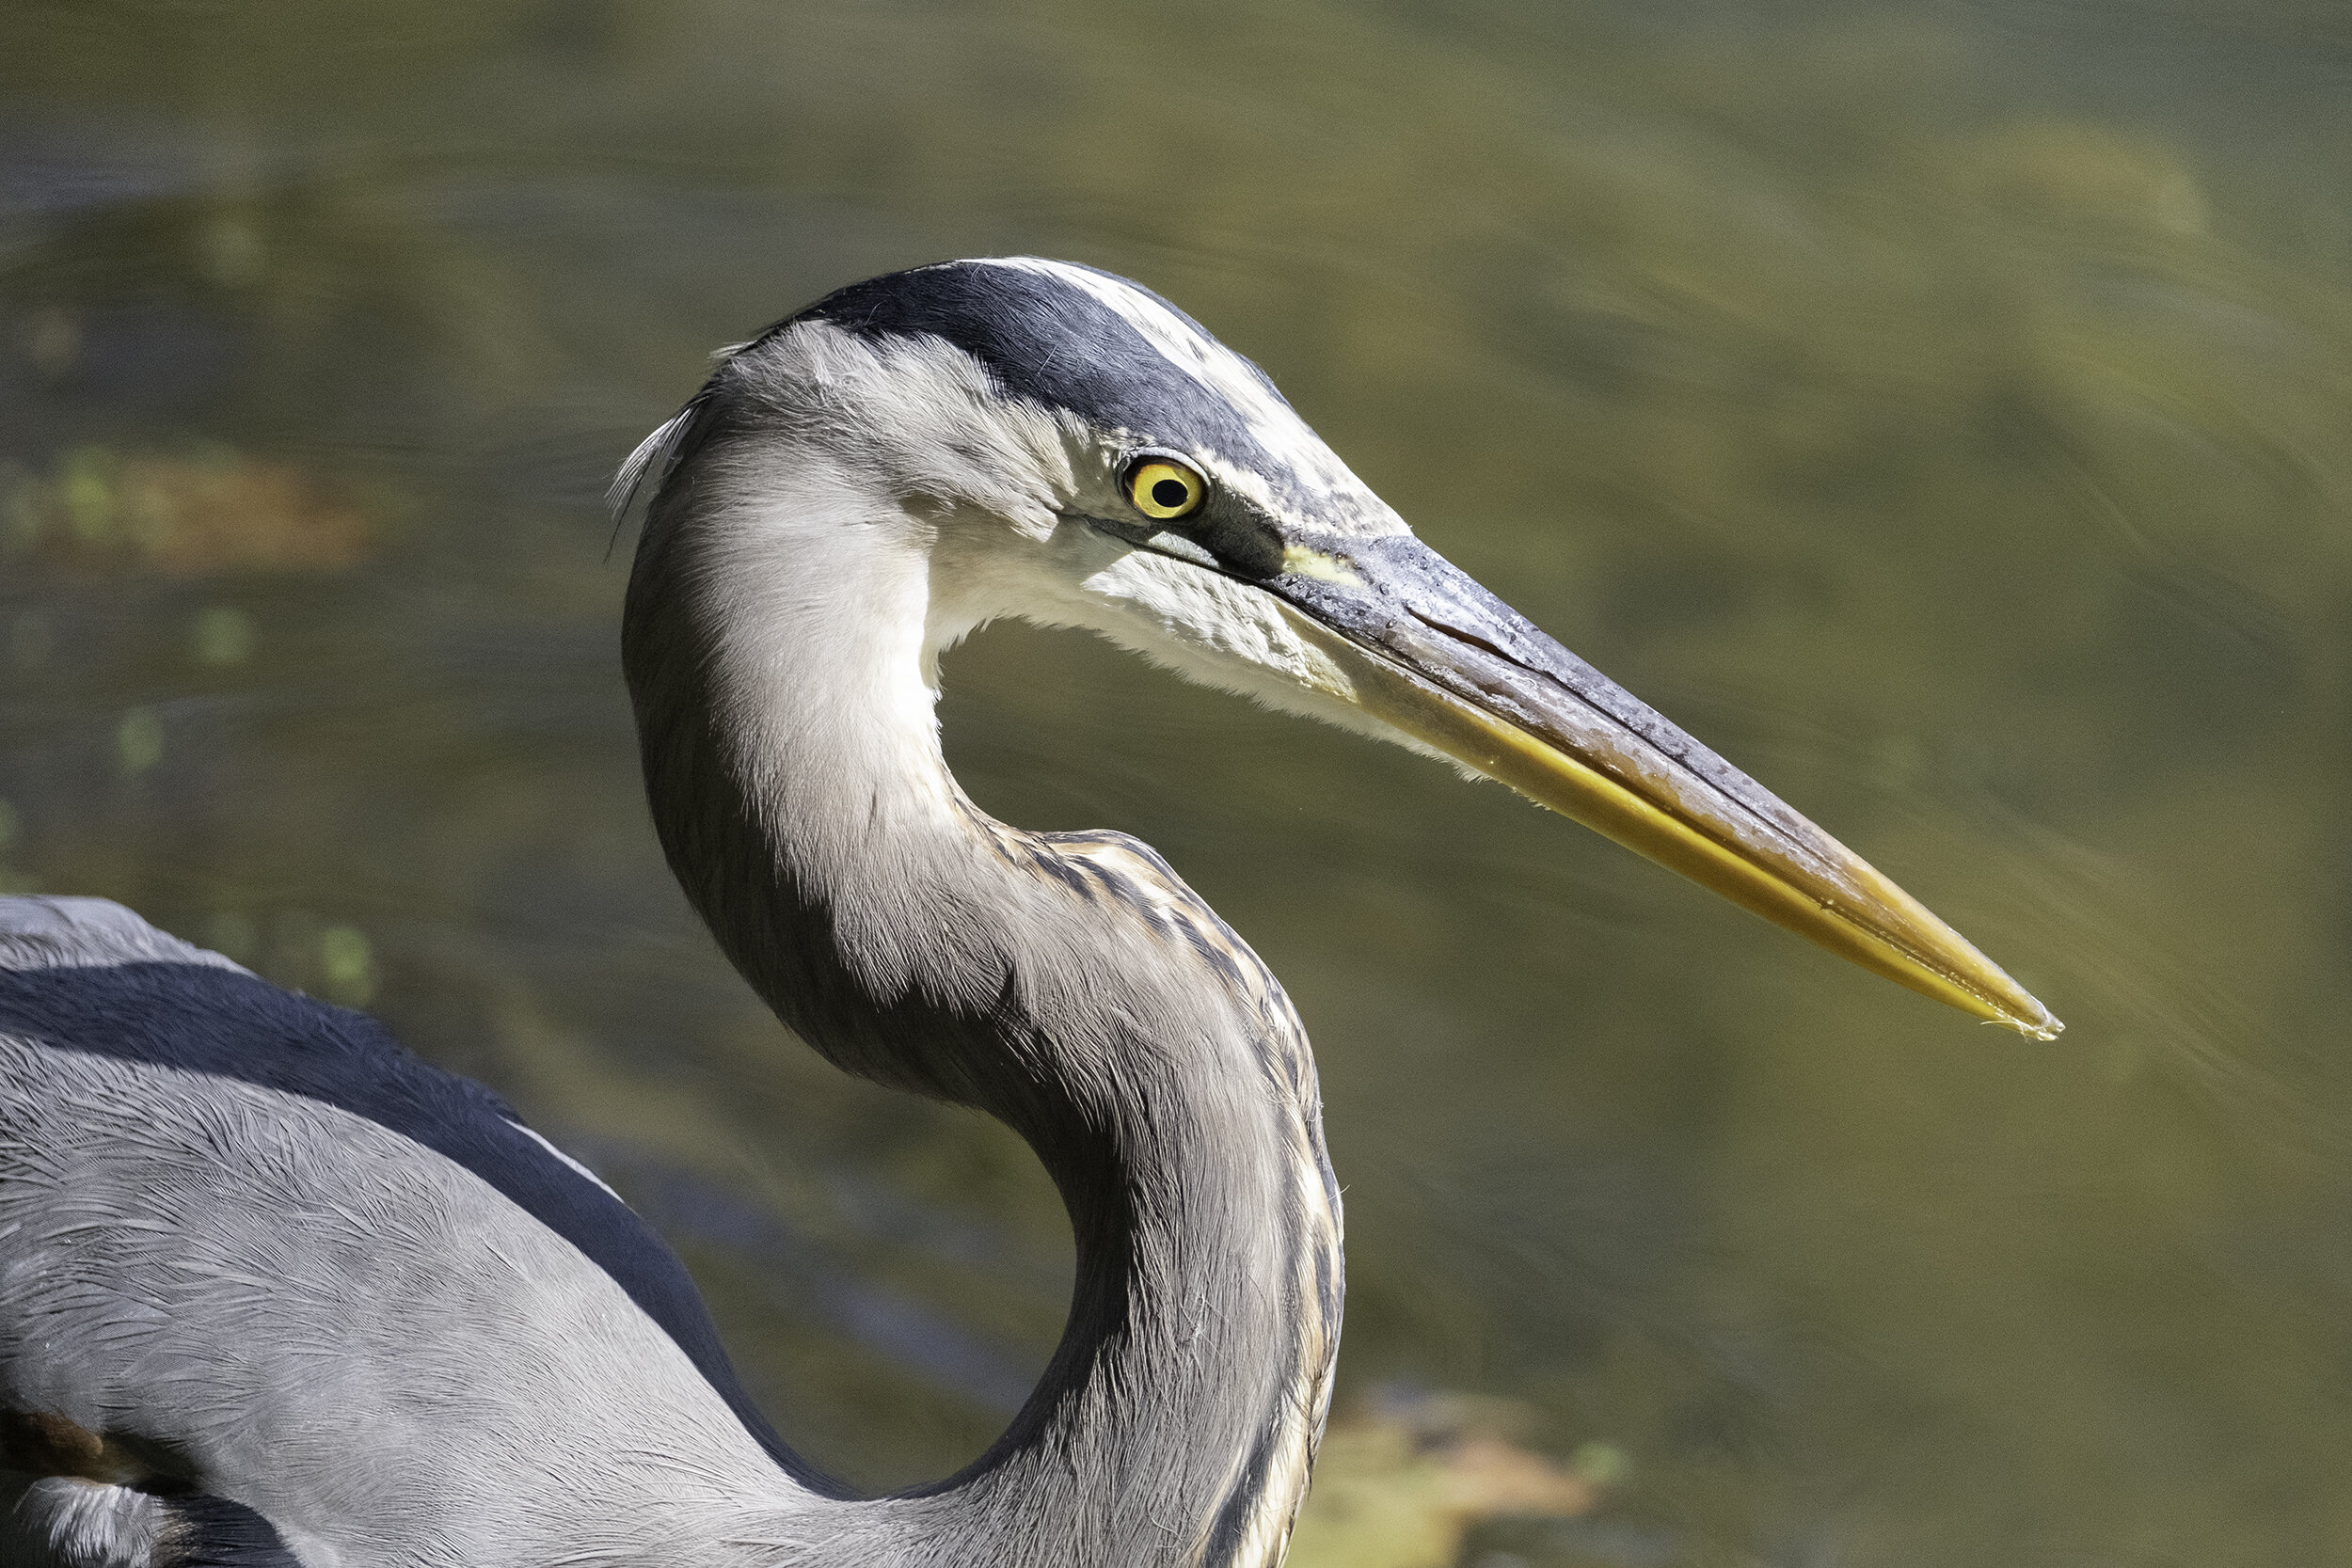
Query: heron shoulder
[
  {"x": 82, "y": 934},
  {"x": 84, "y": 981}
]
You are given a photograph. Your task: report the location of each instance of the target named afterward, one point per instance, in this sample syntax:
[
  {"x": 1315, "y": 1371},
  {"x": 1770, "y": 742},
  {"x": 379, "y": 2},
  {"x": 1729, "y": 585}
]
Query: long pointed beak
[{"x": 1434, "y": 655}]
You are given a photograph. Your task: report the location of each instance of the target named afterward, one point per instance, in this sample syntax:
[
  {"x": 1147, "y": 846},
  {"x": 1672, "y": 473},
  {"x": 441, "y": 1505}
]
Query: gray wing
[
  {"x": 51, "y": 1514},
  {"x": 248, "y": 1321}
]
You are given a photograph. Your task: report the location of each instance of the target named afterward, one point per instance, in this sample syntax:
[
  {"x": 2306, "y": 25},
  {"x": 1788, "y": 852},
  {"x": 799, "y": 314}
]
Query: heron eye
[{"x": 1164, "y": 489}]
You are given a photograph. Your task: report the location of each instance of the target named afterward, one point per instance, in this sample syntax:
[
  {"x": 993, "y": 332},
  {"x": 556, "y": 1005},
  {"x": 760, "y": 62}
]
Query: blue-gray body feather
[{"x": 256, "y": 1247}]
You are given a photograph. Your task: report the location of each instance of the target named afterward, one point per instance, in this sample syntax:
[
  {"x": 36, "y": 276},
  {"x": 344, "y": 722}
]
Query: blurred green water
[{"x": 1941, "y": 408}]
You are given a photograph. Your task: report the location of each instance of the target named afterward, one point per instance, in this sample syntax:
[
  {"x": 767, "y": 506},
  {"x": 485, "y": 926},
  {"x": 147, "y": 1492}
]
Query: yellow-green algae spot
[
  {"x": 140, "y": 741},
  {"x": 348, "y": 960},
  {"x": 220, "y": 635}
]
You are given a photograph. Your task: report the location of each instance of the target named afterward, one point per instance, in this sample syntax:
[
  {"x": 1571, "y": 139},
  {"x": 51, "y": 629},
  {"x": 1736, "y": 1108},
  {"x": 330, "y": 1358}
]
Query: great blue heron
[{"x": 274, "y": 1291}]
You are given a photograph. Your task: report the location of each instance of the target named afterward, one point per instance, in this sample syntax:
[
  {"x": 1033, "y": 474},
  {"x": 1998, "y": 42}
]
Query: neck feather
[{"x": 778, "y": 640}]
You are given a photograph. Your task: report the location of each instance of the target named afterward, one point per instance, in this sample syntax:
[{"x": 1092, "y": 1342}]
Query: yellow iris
[{"x": 1162, "y": 489}]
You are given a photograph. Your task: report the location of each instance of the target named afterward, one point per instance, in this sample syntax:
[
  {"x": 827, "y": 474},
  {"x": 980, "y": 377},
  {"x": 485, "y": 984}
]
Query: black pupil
[{"x": 1171, "y": 493}]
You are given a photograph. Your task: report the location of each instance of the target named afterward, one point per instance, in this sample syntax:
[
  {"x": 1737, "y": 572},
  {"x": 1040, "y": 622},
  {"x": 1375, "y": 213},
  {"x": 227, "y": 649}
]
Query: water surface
[{"x": 1941, "y": 408}]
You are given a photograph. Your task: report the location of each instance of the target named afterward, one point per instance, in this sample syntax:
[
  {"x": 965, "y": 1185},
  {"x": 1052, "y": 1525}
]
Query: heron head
[{"x": 1065, "y": 446}]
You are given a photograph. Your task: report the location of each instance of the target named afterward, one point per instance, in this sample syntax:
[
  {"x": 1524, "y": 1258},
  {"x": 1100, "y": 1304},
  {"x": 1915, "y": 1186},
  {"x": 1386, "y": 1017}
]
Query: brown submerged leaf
[
  {"x": 183, "y": 515},
  {"x": 1402, "y": 1481}
]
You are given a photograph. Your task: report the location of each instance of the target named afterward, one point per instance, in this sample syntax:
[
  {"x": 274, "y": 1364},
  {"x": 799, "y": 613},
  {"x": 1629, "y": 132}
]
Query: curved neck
[{"x": 779, "y": 631}]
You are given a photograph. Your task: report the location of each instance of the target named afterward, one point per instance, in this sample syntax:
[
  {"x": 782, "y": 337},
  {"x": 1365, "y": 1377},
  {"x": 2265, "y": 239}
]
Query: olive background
[{"x": 1941, "y": 407}]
